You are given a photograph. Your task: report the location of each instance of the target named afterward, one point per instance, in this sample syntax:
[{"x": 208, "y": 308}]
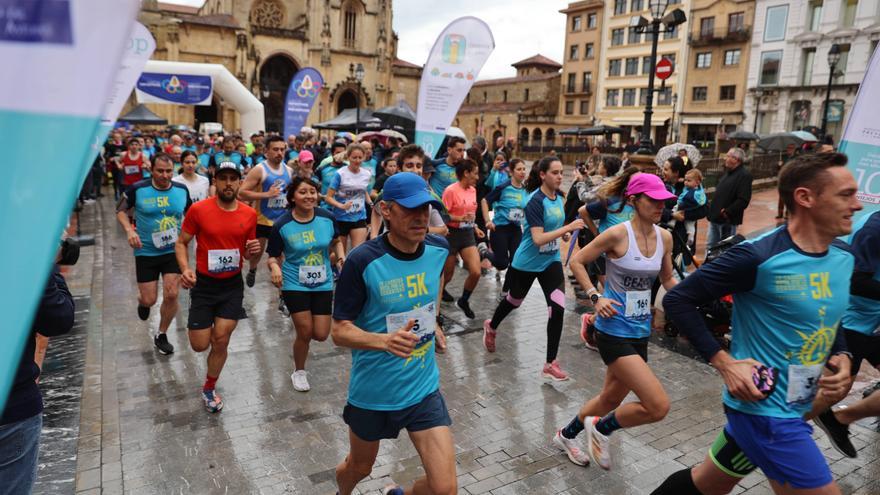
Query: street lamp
[
  {"x": 759, "y": 93},
  {"x": 672, "y": 120},
  {"x": 358, "y": 74},
  {"x": 833, "y": 58},
  {"x": 642, "y": 25}
]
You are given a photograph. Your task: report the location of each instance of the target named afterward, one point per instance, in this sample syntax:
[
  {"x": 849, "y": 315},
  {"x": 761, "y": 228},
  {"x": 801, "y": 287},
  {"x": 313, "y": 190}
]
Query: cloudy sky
[{"x": 520, "y": 29}]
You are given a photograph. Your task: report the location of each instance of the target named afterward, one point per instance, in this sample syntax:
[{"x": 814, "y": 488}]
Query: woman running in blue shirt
[{"x": 508, "y": 200}]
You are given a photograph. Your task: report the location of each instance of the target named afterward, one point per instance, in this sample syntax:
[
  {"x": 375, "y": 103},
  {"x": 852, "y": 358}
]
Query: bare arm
[
  {"x": 604, "y": 243},
  {"x": 249, "y": 189},
  {"x": 330, "y": 199},
  {"x": 588, "y": 221},
  {"x": 400, "y": 342},
  {"x": 539, "y": 237},
  {"x": 484, "y": 206},
  {"x": 187, "y": 276}
]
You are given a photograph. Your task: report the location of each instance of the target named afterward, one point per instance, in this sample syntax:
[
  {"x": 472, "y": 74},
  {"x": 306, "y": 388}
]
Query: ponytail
[
  {"x": 617, "y": 188},
  {"x": 533, "y": 181}
]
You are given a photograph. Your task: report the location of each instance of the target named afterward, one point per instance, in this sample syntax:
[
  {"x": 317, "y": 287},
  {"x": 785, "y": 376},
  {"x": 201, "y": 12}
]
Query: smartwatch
[{"x": 594, "y": 298}]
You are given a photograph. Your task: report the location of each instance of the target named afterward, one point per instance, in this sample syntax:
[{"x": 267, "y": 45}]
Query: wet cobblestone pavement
[{"x": 142, "y": 427}]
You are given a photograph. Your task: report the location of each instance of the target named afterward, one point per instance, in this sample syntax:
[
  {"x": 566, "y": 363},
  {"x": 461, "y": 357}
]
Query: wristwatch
[{"x": 594, "y": 298}]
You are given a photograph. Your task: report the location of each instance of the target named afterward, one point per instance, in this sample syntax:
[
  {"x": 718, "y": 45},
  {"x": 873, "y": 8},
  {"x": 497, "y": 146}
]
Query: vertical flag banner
[
  {"x": 64, "y": 55},
  {"x": 301, "y": 94},
  {"x": 139, "y": 47},
  {"x": 452, "y": 67},
  {"x": 861, "y": 138}
]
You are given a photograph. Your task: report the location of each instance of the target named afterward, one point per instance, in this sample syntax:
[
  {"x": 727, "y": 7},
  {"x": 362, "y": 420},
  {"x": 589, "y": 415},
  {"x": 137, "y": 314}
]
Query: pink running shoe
[
  {"x": 588, "y": 335},
  {"x": 553, "y": 371},
  {"x": 489, "y": 336}
]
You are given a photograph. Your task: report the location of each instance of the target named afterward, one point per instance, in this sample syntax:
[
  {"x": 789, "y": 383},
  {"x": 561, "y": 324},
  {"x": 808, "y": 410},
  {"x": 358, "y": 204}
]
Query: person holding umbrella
[{"x": 732, "y": 196}]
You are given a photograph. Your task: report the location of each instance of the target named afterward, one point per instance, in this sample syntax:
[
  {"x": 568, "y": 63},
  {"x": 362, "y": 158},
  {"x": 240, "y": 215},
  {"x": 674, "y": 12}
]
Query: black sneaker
[
  {"x": 251, "y": 278},
  {"x": 282, "y": 306},
  {"x": 143, "y": 312},
  {"x": 837, "y": 432},
  {"x": 447, "y": 297},
  {"x": 466, "y": 307},
  {"x": 162, "y": 344},
  {"x": 483, "y": 250}
]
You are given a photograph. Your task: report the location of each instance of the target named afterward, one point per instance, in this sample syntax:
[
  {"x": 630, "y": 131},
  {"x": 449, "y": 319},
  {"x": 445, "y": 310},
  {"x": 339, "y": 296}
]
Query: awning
[
  {"x": 638, "y": 122},
  {"x": 702, "y": 120}
]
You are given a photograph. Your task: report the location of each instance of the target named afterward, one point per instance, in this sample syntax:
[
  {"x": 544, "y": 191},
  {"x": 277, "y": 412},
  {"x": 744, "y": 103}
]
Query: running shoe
[
  {"x": 393, "y": 490},
  {"x": 300, "y": 379},
  {"x": 599, "y": 444},
  {"x": 251, "y": 278},
  {"x": 213, "y": 402},
  {"x": 143, "y": 312},
  {"x": 447, "y": 297},
  {"x": 838, "y": 433},
  {"x": 588, "y": 332},
  {"x": 483, "y": 250},
  {"x": 162, "y": 344},
  {"x": 282, "y": 306},
  {"x": 570, "y": 446},
  {"x": 466, "y": 307},
  {"x": 554, "y": 371},
  {"x": 489, "y": 336}
]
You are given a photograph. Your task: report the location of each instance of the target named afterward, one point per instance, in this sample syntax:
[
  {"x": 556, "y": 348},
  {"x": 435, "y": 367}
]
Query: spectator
[
  {"x": 22, "y": 419},
  {"x": 732, "y": 196},
  {"x": 790, "y": 153}
]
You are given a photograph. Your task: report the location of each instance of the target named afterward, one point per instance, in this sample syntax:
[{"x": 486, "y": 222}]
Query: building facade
[
  {"x": 719, "y": 40},
  {"x": 626, "y": 57},
  {"x": 789, "y": 69},
  {"x": 581, "y": 65},
  {"x": 264, "y": 42},
  {"x": 521, "y": 107}
]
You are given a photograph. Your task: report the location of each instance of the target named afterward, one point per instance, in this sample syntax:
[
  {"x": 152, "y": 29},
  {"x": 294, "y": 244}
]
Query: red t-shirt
[
  {"x": 132, "y": 170},
  {"x": 221, "y": 236}
]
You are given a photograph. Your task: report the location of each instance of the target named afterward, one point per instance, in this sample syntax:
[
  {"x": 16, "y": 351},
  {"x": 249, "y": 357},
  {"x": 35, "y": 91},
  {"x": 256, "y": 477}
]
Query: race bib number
[
  {"x": 278, "y": 202},
  {"x": 550, "y": 248},
  {"x": 516, "y": 215},
  {"x": 312, "y": 276},
  {"x": 803, "y": 381},
  {"x": 357, "y": 205},
  {"x": 425, "y": 321},
  {"x": 223, "y": 260},
  {"x": 466, "y": 225},
  {"x": 131, "y": 169},
  {"x": 638, "y": 304},
  {"x": 164, "y": 238}
]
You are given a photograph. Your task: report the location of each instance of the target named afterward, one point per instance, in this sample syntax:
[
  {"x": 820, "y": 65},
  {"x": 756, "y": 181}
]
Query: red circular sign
[{"x": 664, "y": 68}]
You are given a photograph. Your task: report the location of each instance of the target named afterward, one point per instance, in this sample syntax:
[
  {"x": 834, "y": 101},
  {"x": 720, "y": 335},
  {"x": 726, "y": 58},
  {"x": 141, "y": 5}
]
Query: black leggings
[
  {"x": 552, "y": 283},
  {"x": 504, "y": 242}
]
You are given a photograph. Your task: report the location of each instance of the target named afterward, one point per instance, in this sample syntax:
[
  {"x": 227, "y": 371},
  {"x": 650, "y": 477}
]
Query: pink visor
[{"x": 649, "y": 185}]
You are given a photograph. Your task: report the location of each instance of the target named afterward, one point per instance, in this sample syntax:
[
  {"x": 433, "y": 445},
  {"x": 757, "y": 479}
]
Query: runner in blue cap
[{"x": 385, "y": 310}]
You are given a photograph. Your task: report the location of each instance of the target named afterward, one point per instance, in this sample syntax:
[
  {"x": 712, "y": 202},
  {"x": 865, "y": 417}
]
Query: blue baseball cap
[{"x": 408, "y": 190}]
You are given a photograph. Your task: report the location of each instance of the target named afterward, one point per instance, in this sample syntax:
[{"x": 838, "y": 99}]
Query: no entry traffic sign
[{"x": 664, "y": 69}]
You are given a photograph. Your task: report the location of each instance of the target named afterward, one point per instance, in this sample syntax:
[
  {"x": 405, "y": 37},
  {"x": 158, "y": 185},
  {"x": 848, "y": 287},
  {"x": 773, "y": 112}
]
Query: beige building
[
  {"x": 581, "y": 66},
  {"x": 264, "y": 42},
  {"x": 522, "y": 107},
  {"x": 623, "y": 80},
  {"x": 719, "y": 39}
]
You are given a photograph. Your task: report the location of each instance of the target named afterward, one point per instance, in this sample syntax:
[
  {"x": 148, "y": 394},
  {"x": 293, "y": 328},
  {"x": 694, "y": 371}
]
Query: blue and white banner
[
  {"x": 453, "y": 65},
  {"x": 305, "y": 87},
  {"x": 861, "y": 138},
  {"x": 40, "y": 41},
  {"x": 179, "y": 89}
]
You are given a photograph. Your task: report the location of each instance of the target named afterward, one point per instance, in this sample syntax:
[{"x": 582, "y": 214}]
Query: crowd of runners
[{"x": 362, "y": 238}]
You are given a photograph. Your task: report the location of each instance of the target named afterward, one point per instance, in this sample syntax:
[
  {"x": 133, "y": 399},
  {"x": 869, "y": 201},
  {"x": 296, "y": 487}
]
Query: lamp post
[
  {"x": 653, "y": 26},
  {"x": 833, "y": 58},
  {"x": 759, "y": 93},
  {"x": 358, "y": 74},
  {"x": 672, "y": 120}
]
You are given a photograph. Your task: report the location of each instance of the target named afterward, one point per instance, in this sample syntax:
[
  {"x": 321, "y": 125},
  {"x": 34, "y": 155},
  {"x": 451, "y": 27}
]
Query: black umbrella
[
  {"x": 345, "y": 121},
  {"x": 571, "y": 131},
  {"x": 400, "y": 115},
  {"x": 743, "y": 136},
  {"x": 142, "y": 115},
  {"x": 601, "y": 130}
]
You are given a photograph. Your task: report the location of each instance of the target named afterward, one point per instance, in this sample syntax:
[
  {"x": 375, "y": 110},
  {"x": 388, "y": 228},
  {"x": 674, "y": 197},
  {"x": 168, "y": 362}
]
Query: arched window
[
  {"x": 550, "y": 137},
  {"x": 350, "y": 10},
  {"x": 536, "y": 137},
  {"x": 348, "y": 99},
  {"x": 524, "y": 136},
  {"x": 268, "y": 13}
]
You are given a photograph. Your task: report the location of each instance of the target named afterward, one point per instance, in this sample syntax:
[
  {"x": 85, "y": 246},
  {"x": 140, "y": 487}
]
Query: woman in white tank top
[{"x": 637, "y": 252}]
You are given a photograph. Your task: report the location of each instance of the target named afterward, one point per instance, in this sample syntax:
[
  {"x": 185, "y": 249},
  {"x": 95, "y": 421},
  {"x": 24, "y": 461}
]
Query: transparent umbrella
[{"x": 671, "y": 150}]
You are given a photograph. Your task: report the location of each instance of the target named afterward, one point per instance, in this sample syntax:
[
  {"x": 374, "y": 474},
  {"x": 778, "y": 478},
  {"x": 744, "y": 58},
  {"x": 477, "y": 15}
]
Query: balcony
[
  {"x": 572, "y": 90},
  {"x": 720, "y": 36}
]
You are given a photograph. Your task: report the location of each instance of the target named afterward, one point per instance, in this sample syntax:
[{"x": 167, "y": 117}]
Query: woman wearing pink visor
[{"x": 636, "y": 251}]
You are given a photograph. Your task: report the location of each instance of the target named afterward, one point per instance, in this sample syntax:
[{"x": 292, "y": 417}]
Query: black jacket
[
  {"x": 54, "y": 317},
  {"x": 732, "y": 194}
]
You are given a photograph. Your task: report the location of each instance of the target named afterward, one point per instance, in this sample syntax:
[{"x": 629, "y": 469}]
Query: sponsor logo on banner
[
  {"x": 861, "y": 139},
  {"x": 305, "y": 87},
  {"x": 36, "y": 21},
  {"x": 452, "y": 67},
  {"x": 174, "y": 88}
]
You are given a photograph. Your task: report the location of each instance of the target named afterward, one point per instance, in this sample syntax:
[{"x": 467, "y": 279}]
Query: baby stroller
[{"x": 716, "y": 313}]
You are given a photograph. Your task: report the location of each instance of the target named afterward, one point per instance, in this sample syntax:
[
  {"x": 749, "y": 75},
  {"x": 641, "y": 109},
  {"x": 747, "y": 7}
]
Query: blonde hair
[
  {"x": 355, "y": 147},
  {"x": 694, "y": 174}
]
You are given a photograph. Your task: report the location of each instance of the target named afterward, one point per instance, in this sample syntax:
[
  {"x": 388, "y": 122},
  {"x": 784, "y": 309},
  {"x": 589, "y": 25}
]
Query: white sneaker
[
  {"x": 599, "y": 446},
  {"x": 571, "y": 448},
  {"x": 300, "y": 379}
]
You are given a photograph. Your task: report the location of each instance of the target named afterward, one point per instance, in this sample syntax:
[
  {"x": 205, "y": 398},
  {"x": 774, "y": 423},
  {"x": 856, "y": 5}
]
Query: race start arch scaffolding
[{"x": 233, "y": 92}]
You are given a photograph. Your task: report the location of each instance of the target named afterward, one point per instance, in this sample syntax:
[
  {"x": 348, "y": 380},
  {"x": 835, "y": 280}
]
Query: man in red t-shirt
[
  {"x": 132, "y": 163},
  {"x": 225, "y": 231}
]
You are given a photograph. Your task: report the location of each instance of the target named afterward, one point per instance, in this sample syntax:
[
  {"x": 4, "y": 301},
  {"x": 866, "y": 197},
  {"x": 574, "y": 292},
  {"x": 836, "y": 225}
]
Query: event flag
[
  {"x": 453, "y": 65},
  {"x": 861, "y": 138},
  {"x": 305, "y": 86},
  {"x": 56, "y": 118}
]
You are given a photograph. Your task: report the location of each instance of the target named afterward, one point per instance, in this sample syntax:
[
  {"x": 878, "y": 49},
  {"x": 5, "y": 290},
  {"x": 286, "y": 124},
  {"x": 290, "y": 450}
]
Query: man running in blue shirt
[
  {"x": 385, "y": 310},
  {"x": 790, "y": 289}
]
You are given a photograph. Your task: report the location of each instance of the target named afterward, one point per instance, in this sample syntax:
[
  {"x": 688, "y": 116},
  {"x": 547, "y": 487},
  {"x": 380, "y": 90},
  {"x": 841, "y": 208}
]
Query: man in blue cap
[{"x": 385, "y": 310}]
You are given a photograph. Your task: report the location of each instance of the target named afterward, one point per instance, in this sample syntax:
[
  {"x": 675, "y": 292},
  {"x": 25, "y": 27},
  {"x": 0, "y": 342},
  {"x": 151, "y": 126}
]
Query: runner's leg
[
  {"x": 653, "y": 404},
  {"x": 220, "y": 334},
  {"x": 358, "y": 236},
  {"x": 552, "y": 282},
  {"x": 170, "y": 305},
  {"x": 437, "y": 451},
  {"x": 358, "y": 464},
  {"x": 302, "y": 324},
  {"x": 520, "y": 283},
  {"x": 148, "y": 292}
]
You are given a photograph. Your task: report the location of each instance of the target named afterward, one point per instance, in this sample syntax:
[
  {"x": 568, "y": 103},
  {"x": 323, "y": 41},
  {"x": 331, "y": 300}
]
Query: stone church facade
[{"x": 264, "y": 42}]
